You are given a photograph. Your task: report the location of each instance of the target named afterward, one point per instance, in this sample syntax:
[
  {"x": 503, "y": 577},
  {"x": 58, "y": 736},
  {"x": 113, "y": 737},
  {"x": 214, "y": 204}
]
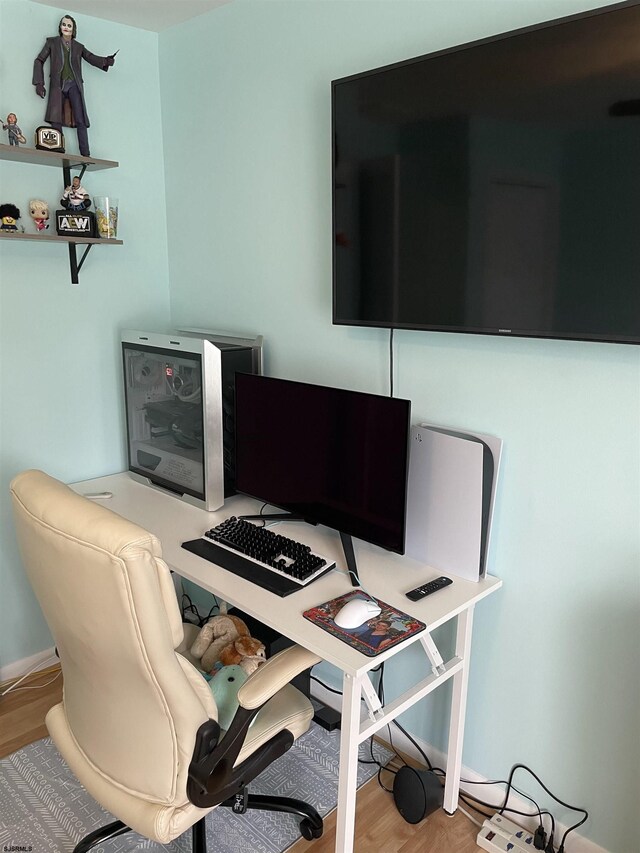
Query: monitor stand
[{"x": 345, "y": 538}]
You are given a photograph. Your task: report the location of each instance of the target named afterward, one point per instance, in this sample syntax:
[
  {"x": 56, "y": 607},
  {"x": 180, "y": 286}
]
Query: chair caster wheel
[{"x": 309, "y": 831}]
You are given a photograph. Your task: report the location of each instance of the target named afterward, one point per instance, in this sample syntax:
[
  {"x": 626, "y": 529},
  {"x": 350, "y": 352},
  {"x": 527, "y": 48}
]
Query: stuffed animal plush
[
  {"x": 216, "y": 635},
  {"x": 244, "y": 652},
  {"x": 224, "y": 686}
]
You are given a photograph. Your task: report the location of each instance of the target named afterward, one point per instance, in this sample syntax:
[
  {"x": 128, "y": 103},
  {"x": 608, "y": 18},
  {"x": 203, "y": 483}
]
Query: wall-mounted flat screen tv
[{"x": 495, "y": 187}]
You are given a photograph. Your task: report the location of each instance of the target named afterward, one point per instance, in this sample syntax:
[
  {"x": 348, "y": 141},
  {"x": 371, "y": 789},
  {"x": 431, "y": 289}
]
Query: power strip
[{"x": 501, "y": 835}]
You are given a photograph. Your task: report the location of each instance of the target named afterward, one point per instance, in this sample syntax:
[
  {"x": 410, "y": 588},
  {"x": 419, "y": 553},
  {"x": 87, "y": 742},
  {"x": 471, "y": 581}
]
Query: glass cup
[{"x": 106, "y": 209}]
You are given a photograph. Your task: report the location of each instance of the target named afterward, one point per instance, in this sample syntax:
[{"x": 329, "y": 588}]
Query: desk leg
[
  {"x": 458, "y": 709},
  {"x": 348, "y": 775}
]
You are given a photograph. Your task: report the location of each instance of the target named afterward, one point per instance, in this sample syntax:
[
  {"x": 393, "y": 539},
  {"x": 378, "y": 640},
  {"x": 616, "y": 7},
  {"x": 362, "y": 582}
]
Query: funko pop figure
[{"x": 39, "y": 212}]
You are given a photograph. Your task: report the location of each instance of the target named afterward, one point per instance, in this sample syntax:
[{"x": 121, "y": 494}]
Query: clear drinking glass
[{"x": 106, "y": 209}]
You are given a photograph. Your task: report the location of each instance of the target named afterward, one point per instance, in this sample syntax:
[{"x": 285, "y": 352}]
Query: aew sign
[
  {"x": 49, "y": 139},
  {"x": 80, "y": 224}
]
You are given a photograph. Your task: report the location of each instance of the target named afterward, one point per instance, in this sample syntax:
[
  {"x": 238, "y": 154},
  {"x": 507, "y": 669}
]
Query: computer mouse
[{"x": 356, "y": 612}]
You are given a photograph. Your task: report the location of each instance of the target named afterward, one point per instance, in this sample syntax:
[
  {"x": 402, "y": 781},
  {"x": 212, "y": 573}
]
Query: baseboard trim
[
  {"x": 41, "y": 660},
  {"x": 488, "y": 793}
]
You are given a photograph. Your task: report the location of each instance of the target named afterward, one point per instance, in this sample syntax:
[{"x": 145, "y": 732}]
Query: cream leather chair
[{"x": 137, "y": 723}]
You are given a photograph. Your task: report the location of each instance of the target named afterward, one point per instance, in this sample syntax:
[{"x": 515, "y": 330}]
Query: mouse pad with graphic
[{"x": 379, "y": 633}]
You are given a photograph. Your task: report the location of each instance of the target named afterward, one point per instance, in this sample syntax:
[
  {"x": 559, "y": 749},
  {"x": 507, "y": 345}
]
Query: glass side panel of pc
[
  {"x": 335, "y": 457},
  {"x": 165, "y": 417},
  {"x": 179, "y": 399}
]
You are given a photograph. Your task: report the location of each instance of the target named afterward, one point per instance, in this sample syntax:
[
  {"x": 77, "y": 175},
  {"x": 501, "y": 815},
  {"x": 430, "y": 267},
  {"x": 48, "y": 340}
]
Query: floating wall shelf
[{"x": 66, "y": 162}]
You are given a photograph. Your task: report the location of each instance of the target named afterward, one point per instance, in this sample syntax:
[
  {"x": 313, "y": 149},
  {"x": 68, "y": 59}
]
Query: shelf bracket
[
  {"x": 67, "y": 173},
  {"x": 73, "y": 261}
]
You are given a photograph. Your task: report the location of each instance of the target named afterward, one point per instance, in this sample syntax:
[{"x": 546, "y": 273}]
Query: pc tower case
[{"x": 179, "y": 403}]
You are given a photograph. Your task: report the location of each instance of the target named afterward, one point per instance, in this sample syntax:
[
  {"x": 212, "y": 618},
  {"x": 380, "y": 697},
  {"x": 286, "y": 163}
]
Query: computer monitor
[{"x": 331, "y": 456}]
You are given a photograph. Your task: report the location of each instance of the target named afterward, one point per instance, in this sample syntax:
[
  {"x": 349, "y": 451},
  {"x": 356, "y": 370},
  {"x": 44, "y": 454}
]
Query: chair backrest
[{"x": 133, "y": 705}]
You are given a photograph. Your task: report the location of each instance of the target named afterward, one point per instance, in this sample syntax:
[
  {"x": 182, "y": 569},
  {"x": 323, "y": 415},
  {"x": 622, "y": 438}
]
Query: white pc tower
[{"x": 179, "y": 401}]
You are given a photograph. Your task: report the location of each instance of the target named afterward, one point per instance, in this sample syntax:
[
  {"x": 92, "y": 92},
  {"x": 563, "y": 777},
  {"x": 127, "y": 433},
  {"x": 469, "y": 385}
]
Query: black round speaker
[{"x": 416, "y": 793}]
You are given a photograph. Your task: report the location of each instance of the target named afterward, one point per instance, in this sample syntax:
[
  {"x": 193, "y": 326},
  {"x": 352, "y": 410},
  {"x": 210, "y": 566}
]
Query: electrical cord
[
  {"x": 540, "y": 833},
  {"x": 402, "y": 729},
  {"x": 557, "y": 799},
  {"x": 216, "y": 607},
  {"x": 191, "y": 608},
  {"x": 542, "y": 842},
  {"x": 513, "y": 787},
  {"x": 420, "y": 750},
  {"x": 373, "y": 760},
  {"x": 538, "y": 813},
  {"x": 36, "y": 686},
  {"x": 326, "y": 686},
  {"x": 469, "y": 817},
  {"x": 474, "y": 807},
  {"x": 14, "y": 686}
]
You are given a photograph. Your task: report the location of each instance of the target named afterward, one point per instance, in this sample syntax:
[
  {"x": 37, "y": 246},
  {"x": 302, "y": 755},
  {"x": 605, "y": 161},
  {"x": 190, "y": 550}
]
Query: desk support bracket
[
  {"x": 371, "y": 698},
  {"x": 435, "y": 658}
]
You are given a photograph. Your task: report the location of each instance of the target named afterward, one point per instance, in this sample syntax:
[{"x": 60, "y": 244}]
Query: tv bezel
[
  {"x": 325, "y": 521},
  {"x": 470, "y": 330}
]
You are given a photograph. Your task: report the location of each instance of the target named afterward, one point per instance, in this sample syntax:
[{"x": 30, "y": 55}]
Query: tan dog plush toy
[
  {"x": 218, "y": 633},
  {"x": 244, "y": 652}
]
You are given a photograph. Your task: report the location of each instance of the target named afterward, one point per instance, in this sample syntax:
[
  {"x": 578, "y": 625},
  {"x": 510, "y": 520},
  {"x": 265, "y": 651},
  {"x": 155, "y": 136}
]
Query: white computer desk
[{"x": 384, "y": 575}]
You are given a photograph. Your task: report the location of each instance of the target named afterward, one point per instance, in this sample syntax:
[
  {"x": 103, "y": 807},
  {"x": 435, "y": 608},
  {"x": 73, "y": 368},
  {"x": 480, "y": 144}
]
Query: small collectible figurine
[
  {"x": 75, "y": 197},
  {"x": 15, "y": 134},
  {"x": 39, "y": 212},
  {"x": 66, "y": 105},
  {"x": 9, "y": 215}
]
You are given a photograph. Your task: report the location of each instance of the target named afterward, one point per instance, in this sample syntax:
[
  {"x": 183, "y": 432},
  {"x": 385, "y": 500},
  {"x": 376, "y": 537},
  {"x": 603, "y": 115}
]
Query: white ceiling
[{"x": 154, "y": 15}]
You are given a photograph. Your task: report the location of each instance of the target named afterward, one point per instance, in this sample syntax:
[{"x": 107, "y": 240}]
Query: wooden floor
[
  {"x": 22, "y": 712},
  {"x": 381, "y": 829},
  {"x": 379, "y": 826}
]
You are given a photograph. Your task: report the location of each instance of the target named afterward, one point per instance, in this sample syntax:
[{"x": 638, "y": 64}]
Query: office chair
[{"x": 137, "y": 723}]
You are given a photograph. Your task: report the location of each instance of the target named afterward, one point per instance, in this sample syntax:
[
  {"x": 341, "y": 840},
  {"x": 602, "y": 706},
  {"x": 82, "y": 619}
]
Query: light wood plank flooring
[
  {"x": 379, "y": 826},
  {"x": 381, "y": 829},
  {"x": 22, "y": 712}
]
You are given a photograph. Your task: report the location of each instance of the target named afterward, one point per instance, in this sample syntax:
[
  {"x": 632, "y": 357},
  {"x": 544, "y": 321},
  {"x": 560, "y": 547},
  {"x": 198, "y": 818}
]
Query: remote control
[{"x": 427, "y": 588}]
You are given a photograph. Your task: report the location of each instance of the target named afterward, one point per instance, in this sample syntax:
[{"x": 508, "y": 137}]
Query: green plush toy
[{"x": 224, "y": 685}]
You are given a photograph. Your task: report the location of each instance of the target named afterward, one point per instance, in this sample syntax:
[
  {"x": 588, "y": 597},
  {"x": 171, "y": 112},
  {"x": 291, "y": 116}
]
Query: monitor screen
[
  {"x": 335, "y": 457},
  {"x": 495, "y": 187}
]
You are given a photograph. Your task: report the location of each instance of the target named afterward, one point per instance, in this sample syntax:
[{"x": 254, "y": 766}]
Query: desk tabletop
[{"x": 383, "y": 575}]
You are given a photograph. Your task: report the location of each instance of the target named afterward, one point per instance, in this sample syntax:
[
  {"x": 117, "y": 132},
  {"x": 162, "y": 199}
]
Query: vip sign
[
  {"x": 70, "y": 224},
  {"x": 49, "y": 139}
]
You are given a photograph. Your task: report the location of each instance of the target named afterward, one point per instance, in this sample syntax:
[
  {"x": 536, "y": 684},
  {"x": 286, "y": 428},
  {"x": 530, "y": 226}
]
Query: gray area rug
[{"x": 43, "y": 809}]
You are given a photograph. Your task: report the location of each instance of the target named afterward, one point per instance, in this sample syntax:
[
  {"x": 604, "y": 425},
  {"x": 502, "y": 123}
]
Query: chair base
[
  {"x": 311, "y": 825},
  {"x": 104, "y": 833}
]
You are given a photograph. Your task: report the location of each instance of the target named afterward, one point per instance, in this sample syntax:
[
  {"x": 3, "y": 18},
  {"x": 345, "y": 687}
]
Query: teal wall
[
  {"x": 241, "y": 97},
  {"x": 60, "y": 406},
  {"x": 554, "y": 683}
]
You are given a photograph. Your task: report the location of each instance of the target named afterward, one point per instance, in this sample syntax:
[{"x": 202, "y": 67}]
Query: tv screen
[
  {"x": 495, "y": 187},
  {"x": 335, "y": 457}
]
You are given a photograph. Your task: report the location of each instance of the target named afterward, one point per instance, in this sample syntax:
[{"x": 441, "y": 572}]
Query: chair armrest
[
  {"x": 213, "y": 776},
  {"x": 273, "y": 675}
]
